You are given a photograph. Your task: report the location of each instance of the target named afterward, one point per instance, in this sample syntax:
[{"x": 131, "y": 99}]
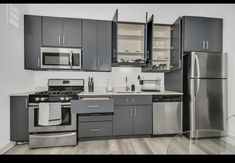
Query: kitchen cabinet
[
  {"x": 97, "y": 44},
  {"x": 132, "y": 120},
  {"x": 95, "y": 125},
  {"x": 202, "y": 34},
  {"x": 19, "y": 118},
  {"x": 32, "y": 42},
  {"x": 129, "y": 43},
  {"x": 132, "y": 116},
  {"x": 61, "y": 32}
]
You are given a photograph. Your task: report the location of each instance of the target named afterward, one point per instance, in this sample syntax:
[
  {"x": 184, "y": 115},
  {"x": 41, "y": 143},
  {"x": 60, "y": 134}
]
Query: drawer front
[
  {"x": 132, "y": 100},
  {"x": 95, "y": 117},
  {"x": 52, "y": 140},
  {"x": 94, "y": 129},
  {"x": 92, "y": 106}
]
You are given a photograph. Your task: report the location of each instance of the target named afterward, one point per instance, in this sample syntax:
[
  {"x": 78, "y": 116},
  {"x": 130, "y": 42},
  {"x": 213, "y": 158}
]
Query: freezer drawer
[
  {"x": 89, "y": 105},
  {"x": 167, "y": 118}
]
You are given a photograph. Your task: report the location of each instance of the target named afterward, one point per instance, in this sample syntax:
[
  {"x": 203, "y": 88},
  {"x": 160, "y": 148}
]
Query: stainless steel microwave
[{"x": 60, "y": 58}]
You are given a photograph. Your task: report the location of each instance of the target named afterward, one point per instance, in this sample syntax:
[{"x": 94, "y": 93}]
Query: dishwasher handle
[{"x": 167, "y": 98}]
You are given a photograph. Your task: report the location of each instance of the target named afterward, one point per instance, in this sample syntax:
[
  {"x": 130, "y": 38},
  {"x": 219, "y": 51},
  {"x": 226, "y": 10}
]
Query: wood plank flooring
[{"x": 156, "y": 145}]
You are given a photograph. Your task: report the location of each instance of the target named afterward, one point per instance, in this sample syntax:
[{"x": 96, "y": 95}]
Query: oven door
[{"x": 68, "y": 120}]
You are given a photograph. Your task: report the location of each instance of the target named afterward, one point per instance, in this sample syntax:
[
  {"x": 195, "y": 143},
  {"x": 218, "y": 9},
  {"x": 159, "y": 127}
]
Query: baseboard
[{"x": 5, "y": 148}]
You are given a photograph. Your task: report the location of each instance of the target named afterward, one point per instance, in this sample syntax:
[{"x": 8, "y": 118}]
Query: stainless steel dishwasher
[{"x": 167, "y": 114}]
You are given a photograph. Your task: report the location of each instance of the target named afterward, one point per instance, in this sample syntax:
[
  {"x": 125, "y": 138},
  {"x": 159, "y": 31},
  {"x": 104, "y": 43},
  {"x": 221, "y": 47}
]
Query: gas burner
[{"x": 59, "y": 90}]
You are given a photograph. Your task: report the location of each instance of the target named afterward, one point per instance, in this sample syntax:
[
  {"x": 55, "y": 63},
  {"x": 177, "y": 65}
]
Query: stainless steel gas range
[{"x": 51, "y": 122}]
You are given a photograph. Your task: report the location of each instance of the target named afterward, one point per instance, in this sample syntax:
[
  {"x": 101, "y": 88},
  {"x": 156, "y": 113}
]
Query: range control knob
[
  {"x": 42, "y": 98},
  {"x": 62, "y": 98},
  {"x": 37, "y": 99},
  {"x": 67, "y": 98}
]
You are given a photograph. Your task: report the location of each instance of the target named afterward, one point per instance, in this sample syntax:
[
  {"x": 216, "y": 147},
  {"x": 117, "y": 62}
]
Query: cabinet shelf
[
  {"x": 130, "y": 53},
  {"x": 156, "y": 48},
  {"x": 161, "y": 37},
  {"x": 160, "y": 60}
]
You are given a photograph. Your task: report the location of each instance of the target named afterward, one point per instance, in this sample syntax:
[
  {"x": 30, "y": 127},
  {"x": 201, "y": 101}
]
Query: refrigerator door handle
[{"x": 198, "y": 75}]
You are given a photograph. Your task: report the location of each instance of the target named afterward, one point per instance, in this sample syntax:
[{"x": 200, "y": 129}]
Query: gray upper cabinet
[
  {"x": 61, "y": 32},
  {"x": 32, "y": 42},
  {"x": 52, "y": 31},
  {"x": 89, "y": 35},
  {"x": 97, "y": 44},
  {"x": 72, "y": 32},
  {"x": 202, "y": 34},
  {"x": 19, "y": 118},
  {"x": 104, "y": 45},
  {"x": 176, "y": 43}
]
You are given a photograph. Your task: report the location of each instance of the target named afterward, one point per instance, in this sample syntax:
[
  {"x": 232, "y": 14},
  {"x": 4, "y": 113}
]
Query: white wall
[
  {"x": 164, "y": 13},
  {"x": 13, "y": 76}
]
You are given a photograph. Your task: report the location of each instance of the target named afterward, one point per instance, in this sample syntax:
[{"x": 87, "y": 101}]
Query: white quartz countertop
[{"x": 97, "y": 93}]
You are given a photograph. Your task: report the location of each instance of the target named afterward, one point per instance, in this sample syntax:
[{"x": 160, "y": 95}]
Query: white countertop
[
  {"x": 96, "y": 93},
  {"x": 101, "y": 91}
]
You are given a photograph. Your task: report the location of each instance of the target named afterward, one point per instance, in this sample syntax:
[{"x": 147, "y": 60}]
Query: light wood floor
[{"x": 157, "y": 145}]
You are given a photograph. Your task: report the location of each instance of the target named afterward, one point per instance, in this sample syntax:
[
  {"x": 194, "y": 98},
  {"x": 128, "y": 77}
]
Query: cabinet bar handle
[
  {"x": 203, "y": 44},
  {"x": 135, "y": 112},
  {"x": 92, "y": 107},
  {"x": 207, "y": 45},
  {"x": 133, "y": 99},
  {"x": 131, "y": 112},
  {"x": 38, "y": 62},
  {"x": 59, "y": 39},
  {"x": 94, "y": 129},
  {"x": 63, "y": 40},
  {"x": 98, "y": 62},
  {"x": 26, "y": 103}
]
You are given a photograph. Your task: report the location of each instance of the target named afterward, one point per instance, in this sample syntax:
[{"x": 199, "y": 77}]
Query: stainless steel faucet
[{"x": 126, "y": 88}]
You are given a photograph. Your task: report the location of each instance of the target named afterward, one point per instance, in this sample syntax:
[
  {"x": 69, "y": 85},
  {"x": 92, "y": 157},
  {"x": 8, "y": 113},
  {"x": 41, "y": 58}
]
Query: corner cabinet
[
  {"x": 19, "y": 118},
  {"x": 202, "y": 34},
  {"x": 61, "y": 32},
  {"x": 96, "y": 45}
]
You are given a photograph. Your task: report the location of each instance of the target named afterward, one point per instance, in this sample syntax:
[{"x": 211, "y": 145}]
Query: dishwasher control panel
[{"x": 167, "y": 98}]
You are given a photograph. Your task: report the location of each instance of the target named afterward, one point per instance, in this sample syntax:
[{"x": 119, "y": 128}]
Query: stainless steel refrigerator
[{"x": 205, "y": 94}]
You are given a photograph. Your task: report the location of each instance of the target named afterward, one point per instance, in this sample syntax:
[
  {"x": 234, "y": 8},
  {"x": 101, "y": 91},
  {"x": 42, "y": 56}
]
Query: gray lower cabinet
[
  {"x": 95, "y": 125},
  {"x": 142, "y": 120},
  {"x": 32, "y": 42},
  {"x": 122, "y": 120},
  {"x": 132, "y": 120},
  {"x": 19, "y": 118},
  {"x": 96, "y": 44}
]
